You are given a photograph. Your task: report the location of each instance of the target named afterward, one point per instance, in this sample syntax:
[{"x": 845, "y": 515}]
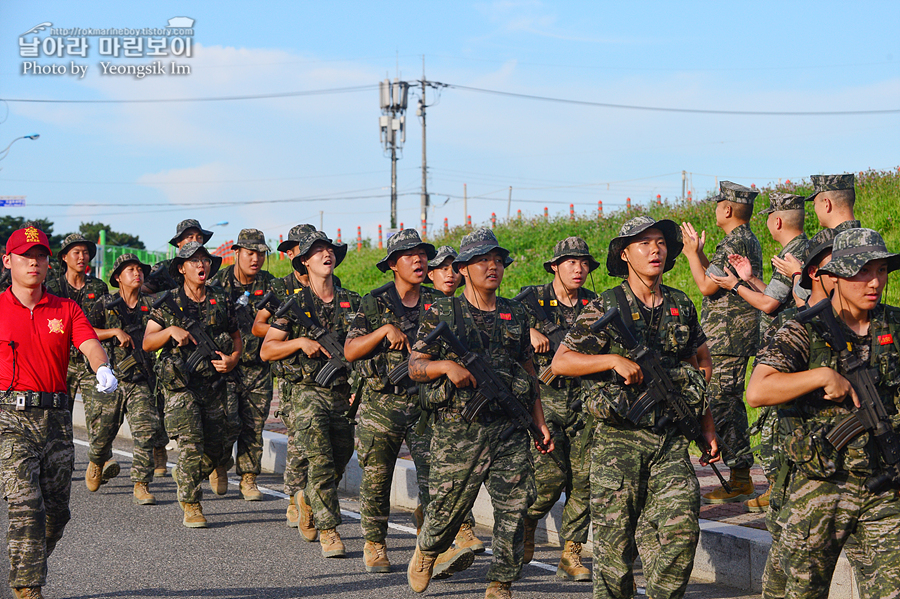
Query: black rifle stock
[
  {"x": 137, "y": 357},
  {"x": 326, "y": 339},
  {"x": 659, "y": 390},
  {"x": 871, "y": 415},
  {"x": 490, "y": 388},
  {"x": 555, "y": 334},
  {"x": 399, "y": 374}
]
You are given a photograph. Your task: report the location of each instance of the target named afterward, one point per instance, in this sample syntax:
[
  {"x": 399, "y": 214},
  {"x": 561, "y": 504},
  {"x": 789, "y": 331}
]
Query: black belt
[{"x": 35, "y": 399}]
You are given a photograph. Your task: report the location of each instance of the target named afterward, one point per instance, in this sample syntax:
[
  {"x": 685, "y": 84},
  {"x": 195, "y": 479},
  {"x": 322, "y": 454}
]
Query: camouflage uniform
[
  {"x": 160, "y": 277},
  {"x": 195, "y": 402},
  {"x": 465, "y": 455},
  {"x": 827, "y": 500},
  {"x": 250, "y": 393},
  {"x": 318, "y": 414},
  {"x": 732, "y": 329}
]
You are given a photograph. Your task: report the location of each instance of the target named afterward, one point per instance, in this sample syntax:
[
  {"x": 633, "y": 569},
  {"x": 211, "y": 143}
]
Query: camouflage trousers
[
  {"x": 104, "y": 414},
  {"x": 160, "y": 439},
  {"x": 642, "y": 485},
  {"x": 195, "y": 415},
  {"x": 323, "y": 428},
  {"x": 819, "y": 519},
  {"x": 37, "y": 457},
  {"x": 385, "y": 422},
  {"x": 574, "y": 451},
  {"x": 465, "y": 455},
  {"x": 248, "y": 409},
  {"x": 78, "y": 377},
  {"x": 296, "y": 463},
  {"x": 770, "y": 455},
  {"x": 725, "y": 394}
]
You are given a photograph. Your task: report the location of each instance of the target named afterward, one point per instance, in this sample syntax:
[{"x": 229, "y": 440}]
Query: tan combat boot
[
  {"x": 293, "y": 514},
  {"x": 758, "y": 504},
  {"x": 741, "y": 488},
  {"x": 418, "y": 574},
  {"x": 306, "y": 523},
  {"x": 498, "y": 590},
  {"x": 28, "y": 593},
  {"x": 466, "y": 539},
  {"x": 193, "y": 515},
  {"x": 160, "y": 461},
  {"x": 452, "y": 561},
  {"x": 331, "y": 543},
  {"x": 218, "y": 481},
  {"x": 530, "y": 528},
  {"x": 142, "y": 495},
  {"x": 111, "y": 470},
  {"x": 92, "y": 477},
  {"x": 419, "y": 517},
  {"x": 375, "y": 557},
  {"x": 570, "y": 566},
  {"x": 249, "y": 489}
]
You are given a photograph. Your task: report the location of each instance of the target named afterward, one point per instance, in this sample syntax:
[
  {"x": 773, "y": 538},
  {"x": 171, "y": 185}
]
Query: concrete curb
[{"x": 727, "y": 554}]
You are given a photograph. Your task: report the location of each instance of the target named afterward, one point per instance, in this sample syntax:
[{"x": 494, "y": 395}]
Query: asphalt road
[{"x": 113, "y": 548}]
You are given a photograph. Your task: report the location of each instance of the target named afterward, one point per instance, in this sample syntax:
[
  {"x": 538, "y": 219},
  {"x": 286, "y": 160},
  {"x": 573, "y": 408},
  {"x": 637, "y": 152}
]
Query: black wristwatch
[{"x": 734, "y": 289}]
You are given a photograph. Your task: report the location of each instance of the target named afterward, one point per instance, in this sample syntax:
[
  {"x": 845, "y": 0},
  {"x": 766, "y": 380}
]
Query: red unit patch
[
  {"x": 212, "y": 302},
  {"x": 674, "y": 311},
  {"x": 258, "y": 292},
  {"x": 91, "y": 296},
  {"x": 345, "y": 304},
  {"x": 428, "y": 306},
  {"x": 145, "y": 309},
  {"x": 585, "y": 302},
  {"x": 885, "y": 339},
  {"x": 505, "y": 316}
]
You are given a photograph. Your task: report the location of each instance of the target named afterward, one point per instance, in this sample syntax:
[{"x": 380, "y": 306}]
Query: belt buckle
[{"x": 20, "y": 402}]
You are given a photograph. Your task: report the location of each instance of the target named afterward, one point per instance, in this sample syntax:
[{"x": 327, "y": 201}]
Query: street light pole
[{"x": 5, "y": 150}]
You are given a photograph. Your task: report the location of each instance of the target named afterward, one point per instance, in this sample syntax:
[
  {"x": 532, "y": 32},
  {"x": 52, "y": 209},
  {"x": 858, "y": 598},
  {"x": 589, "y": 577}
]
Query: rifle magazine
[
  {"x": 473, "y": 407},
  {"x": 845, "y": 431},
  {"x": 547, "y": 376}
]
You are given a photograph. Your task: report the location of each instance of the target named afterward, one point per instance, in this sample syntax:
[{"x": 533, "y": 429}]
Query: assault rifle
[
  {"x": 132, "y": 326},
  {"x": 490, "y": 388},
  {"x": 553, "y": 331},
  {"x": 399, "y": 374},
  {"x": 206, "y": 347},
  {"x": 268, "y": 298},
  {"x": 659, "y": 390},
  {"x": 871, "y": 415},
  {"x": 325, "y": 338}
]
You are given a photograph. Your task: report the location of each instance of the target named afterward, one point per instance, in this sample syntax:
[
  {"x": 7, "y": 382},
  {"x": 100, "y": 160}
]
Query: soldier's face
[
  {"x": 290, "y": 253},
  {"x": 196, "y": 269},
  {"x": 572, "y": 272},
  {"x": 647, "y": 253},
  {"x": 192, "y": 234},
  {"x": 250, "y": 261},
  {"x": 77, "y": 258},
  {"x": 445, "y": 279},
  {"x": 863, "y": 291},
  {"x": 484, "y": 271},
  {"x": 320, "y": 259},
  {"x": 29, "y": 269},
  {"x": 410, "y": 265},
  {"x": 131, "y": 277}
]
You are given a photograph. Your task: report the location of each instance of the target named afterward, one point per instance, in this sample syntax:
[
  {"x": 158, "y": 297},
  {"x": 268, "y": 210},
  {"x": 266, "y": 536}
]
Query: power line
[{"x": 219, "y": 204}]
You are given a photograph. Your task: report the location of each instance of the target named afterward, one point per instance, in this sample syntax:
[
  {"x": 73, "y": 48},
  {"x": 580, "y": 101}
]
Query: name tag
[
  {"x": 345, "y": 304},
  {"x": 674, "y": 311},
  {"x": 505, "y": 316},
  {"x": 554, "y": 303},
  {"x": 885, "y": 339}
]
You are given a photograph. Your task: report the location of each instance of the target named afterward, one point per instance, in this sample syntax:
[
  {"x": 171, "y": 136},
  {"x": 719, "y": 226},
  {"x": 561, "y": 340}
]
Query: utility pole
[
  {"x": 421, "y": 112},
  {"x": 683, "y": 184},
  {"x": 392, "y": 125}
]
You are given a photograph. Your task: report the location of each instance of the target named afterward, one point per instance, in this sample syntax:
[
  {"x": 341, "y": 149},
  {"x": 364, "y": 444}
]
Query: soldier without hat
[
  {"x": 562, "y": 300},
  {"x": 827, "y": 496},
  {"x": 319, "y": 410},
  {"x": 641, "y": 477},
  {"x": 732, "y": 328},
  {"x": 467, "y": 454}
]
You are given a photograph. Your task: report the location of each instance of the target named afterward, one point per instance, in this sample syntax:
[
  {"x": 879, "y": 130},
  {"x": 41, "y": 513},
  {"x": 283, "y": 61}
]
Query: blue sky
[{"x": 169, "y": 161}]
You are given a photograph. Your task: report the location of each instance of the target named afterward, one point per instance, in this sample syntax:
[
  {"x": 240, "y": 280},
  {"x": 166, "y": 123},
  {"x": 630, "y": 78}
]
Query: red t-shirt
[{"x": 40, "y": 340}]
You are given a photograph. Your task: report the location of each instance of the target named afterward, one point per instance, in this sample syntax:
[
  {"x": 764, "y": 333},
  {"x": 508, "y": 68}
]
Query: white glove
[{"x": 106, "y": 380}]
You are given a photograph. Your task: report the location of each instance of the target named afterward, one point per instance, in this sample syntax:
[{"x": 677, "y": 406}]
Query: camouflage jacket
[
  {"x": 334, "y": 316},
  {"x": 225, "y": 280},
  {"x": 806, "y": 420},
  {"x": 502, "y": 337},
  {"x": 779, "y": 287},
  {"x": 374, "y": 312},
  {"x": 730, "y": 323},
  {"x": 129, "y": 370},
  {"x": 672, "y": 329},
  {"x": 160, "y": 279},
  {"x": 216, "y": 314},
  {"x": 93, "y": 291}
]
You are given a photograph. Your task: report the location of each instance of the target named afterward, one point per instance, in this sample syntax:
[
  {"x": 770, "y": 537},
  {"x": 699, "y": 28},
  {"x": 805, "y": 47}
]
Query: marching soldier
[
  {"x": 639, "y": 471},
  {"x": 441, "y": 274},
  {"x": 560, "y": 303},
  {"x": 186, "y": 231}
]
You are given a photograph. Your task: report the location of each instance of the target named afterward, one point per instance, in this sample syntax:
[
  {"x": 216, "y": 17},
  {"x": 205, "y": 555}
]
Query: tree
[
  {"x": 92, "y": 231},
  {"x": 9, "y": 224}
]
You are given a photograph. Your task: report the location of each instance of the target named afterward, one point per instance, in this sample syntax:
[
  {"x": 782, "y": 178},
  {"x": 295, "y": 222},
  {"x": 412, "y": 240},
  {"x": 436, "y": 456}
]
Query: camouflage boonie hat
[
  {"x": 443, "y": 252},
  {"x": 185, "y": 253},
  {"x": 75, "y": 239},
  {"x": 296, "y": 234},
  {"x": 571, "y": 247},
  {"x": 820, "y": 243},
  {"x": 123, "y": 261},
  {"x": 401, "y": 241},
  {"x": 191, "y": 223},
  {"x": 477, "y": 243},
  {"x": 251, "y": 239},
  {"x": 830, "y": 183},
  {"x": 779, "y": 202},
  {"x": 306, "y": 242},
  {"x": 853, "y": 248},
  {"x": 735, "y": 193},
  {"x": 671, "y": 232}
]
